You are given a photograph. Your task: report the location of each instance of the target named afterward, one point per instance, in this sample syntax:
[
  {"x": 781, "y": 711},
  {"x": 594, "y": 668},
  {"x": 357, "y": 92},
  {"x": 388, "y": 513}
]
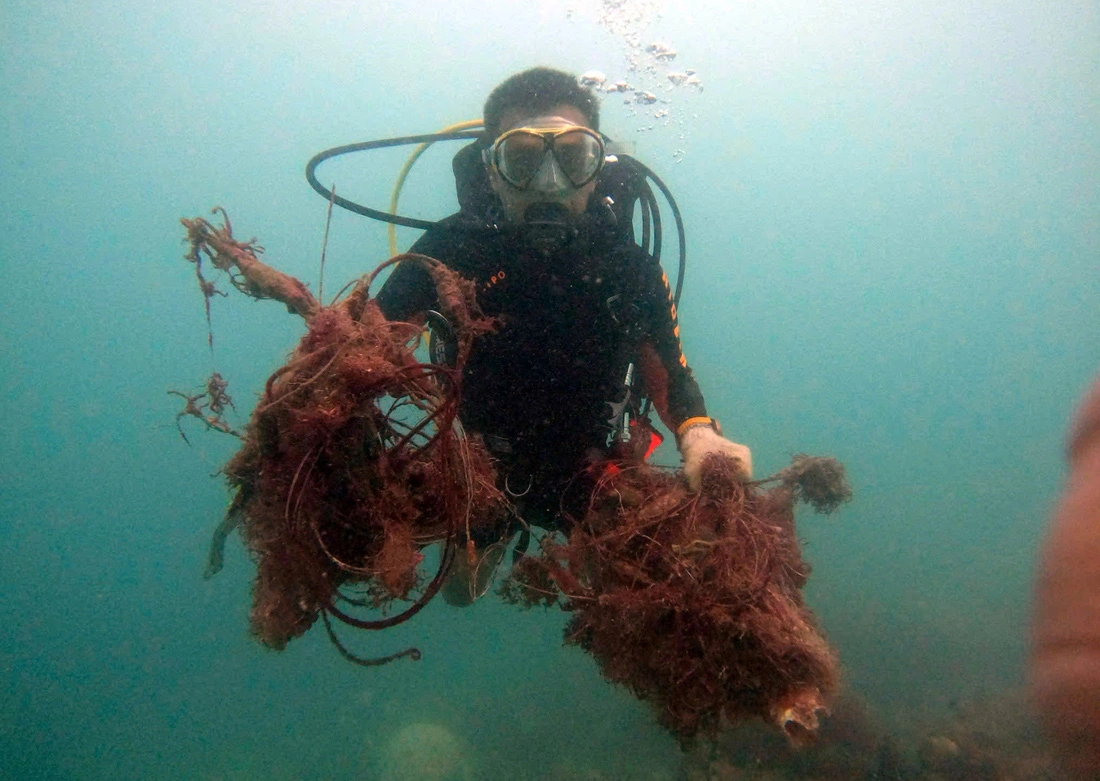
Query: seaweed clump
[
  {"x": 352, "y": 461},
  {"x": 693, "y": 601}
]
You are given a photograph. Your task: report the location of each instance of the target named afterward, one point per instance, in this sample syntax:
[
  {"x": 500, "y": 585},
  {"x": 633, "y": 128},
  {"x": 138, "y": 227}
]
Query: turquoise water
[{"x": 893, "y": 213}]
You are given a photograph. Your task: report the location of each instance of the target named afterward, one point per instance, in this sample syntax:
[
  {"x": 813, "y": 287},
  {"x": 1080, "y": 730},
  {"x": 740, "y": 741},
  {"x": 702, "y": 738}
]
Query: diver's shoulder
[
  {"x": 456, "y": 229},
  {"x": 461, "y": 244},
  {"x": 440, "y": 237}
]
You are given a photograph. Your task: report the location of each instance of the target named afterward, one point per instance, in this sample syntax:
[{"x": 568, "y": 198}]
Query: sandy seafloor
[{"x": 893, "y": 216}]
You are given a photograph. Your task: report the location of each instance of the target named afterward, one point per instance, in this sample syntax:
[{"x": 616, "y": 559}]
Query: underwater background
[{"x": 893, "y": 217}]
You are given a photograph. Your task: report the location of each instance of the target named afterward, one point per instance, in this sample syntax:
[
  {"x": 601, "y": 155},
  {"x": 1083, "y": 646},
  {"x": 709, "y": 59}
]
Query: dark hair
[{"x": 538, "y": 90}]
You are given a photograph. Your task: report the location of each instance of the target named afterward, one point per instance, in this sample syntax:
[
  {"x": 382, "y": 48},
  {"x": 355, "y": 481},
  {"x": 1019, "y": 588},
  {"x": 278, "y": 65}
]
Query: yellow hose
[{"x": 392, "y": 230}]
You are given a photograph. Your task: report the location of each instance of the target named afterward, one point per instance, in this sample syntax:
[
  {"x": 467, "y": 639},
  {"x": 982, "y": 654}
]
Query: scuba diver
[{"x": 588, "y": 322}]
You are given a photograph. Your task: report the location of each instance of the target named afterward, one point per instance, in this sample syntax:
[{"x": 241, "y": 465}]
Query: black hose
[
  {"x": 646, "y": 222},
  {"x": 679, "y": 228},
  {"x": 366, "y": 211},
  {"x": 655, "y": 210}
]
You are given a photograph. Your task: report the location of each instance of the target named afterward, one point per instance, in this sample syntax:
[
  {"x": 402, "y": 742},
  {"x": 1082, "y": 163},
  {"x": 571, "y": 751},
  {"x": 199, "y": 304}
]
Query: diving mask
[{"x": 549, "y": 155}]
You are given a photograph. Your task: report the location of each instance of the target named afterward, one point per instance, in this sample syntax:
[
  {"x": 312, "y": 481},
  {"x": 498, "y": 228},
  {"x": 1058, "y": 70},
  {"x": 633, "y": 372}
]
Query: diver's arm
[
  {"x": 668, "y": 379},
  {"x": 685, "y": 413},
  {"x": 409, "y": 292}
]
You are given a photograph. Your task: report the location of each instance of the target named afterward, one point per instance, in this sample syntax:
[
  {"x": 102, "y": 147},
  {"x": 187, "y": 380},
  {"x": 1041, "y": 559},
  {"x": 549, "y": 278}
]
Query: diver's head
[
  {"x": 545, "y": 150},
  {"x": 547, "y": 159},
  {"x": 536, "y": 92}
]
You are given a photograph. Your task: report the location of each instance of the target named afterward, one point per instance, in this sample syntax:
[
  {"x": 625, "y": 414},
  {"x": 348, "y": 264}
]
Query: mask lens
[
  {"x": 580, "y": 155},
  {"x": 519, "y": 157}
]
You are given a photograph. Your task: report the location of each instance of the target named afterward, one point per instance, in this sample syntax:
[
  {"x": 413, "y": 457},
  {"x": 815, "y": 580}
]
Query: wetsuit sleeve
[
  {"x": 665, "y": 370},
  {"x": 409, "y": 291}
]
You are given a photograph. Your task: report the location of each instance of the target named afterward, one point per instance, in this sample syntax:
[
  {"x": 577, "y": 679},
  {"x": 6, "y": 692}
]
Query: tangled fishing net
[
  {"x": 694, "y": 601},
  {"x": 353, "y": 462}
]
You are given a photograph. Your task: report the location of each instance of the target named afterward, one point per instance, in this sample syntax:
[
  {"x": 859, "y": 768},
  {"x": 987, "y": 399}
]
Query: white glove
[{"x": 700, "y": 441}]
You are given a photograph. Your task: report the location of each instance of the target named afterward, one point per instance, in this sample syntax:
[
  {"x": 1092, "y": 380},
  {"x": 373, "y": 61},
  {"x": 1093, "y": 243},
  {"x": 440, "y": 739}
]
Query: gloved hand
[{"x": 700, "y": 441}]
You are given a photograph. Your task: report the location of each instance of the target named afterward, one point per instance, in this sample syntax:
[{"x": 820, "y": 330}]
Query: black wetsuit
[{"x": 538, "y": 388}]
